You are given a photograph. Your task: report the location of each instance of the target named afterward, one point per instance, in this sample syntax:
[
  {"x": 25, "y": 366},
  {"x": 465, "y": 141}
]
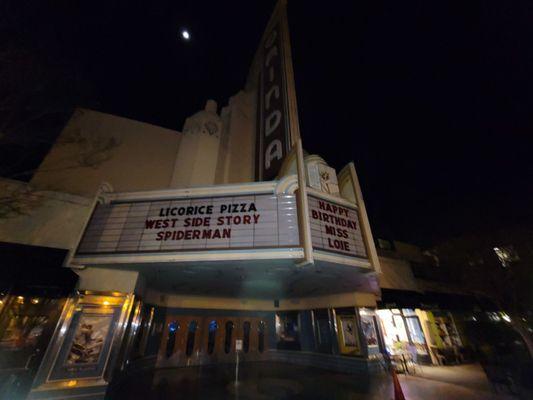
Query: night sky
[{"x": 432, "y": 100}]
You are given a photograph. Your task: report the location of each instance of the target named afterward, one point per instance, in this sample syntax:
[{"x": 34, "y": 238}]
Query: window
[
  {"x": 261, "y": 336},
  {"x": 213, "y": 326},
  {"x": 193, "y": 325},
  {"x": 246, "y": 336},
  {"x": 415, "y": 330},
  {"x": 402, "y": 331},
  {"x": 507, "y": 255},
  {"x": 227, "y": 338},
  {"x": 171, "y": 340}
]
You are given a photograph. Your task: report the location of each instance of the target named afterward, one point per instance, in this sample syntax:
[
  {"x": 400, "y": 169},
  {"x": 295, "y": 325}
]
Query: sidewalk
[{"x": 464, "y": 382}]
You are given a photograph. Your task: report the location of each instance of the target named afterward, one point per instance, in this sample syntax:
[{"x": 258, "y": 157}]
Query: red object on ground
[{"x": 398, "y": 394}]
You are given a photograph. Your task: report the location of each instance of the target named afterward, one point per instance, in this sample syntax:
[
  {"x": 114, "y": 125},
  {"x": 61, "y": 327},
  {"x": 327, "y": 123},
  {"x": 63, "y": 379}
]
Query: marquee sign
[
  {"x": 232, "y": 222},
  {"x": 335, "y": 228}
]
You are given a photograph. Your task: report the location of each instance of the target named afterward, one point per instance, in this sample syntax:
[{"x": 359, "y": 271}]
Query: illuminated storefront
[
  {"x": 403, "y": 333},
  {"x": 423, "y": 336}
]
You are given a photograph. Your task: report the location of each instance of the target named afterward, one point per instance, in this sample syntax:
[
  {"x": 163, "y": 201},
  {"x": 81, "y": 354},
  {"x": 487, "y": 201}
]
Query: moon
[{"x": 185, "y": 34}]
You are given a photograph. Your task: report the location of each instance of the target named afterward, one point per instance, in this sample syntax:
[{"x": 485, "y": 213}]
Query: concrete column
[
  {"x": 111, "y": 280},
  {"x": 307, "y": 335}
]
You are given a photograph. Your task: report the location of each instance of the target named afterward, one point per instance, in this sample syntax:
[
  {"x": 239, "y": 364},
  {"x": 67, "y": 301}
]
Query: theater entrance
[{"x": 210, "y": 339}]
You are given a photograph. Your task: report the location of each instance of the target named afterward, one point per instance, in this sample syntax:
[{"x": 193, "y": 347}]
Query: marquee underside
[{"x": 262, "y": 279}]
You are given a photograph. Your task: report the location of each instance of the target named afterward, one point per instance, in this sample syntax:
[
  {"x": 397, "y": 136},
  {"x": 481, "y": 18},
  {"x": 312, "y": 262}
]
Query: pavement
[
  {"x": 259, "y": 380},
  {"x": 267, "y": 380},
  {"x": 464, "y": 382}
]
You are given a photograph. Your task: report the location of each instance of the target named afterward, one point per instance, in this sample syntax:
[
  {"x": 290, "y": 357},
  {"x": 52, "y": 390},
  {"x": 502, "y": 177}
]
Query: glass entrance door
[{"x": 323, "y": 330}]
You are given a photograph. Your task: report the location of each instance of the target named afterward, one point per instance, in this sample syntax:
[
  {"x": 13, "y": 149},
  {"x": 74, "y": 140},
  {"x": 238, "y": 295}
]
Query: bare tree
[
  {"x": 40, "y": 87},
  {"x": 499, "y": 266}
]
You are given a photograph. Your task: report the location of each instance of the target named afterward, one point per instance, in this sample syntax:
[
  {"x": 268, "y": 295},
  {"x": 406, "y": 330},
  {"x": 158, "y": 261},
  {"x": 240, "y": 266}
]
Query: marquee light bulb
[{"x": 185, "y": 34}]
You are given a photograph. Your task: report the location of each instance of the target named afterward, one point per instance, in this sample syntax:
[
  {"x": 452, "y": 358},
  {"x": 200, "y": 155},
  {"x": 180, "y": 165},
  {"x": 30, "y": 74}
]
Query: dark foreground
[
  {"x": 261, "y": 380},
  {"x": 267, "y": 380}
]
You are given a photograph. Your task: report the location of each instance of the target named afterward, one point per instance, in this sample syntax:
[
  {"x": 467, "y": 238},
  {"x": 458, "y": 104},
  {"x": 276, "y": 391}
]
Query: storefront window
[
  {"x": 402, "y": 332},
  {"x": 408, "y": 312},
  {"x": 287, "y": 330},
  {"x": 446, "y": 329},
  {"x": 25, "y": 322},
  {"x": 369, "y": 329},
  {"x": 171, "y": 340},
  {"x": 227, "y": 338},
  {"x": 193, "y": 325},
  {"x": 213, "y": 326},
  {"x": 246, "y": 336},
  {"x": 417, "y": 335},
  {"x": 261, "y": 337}
]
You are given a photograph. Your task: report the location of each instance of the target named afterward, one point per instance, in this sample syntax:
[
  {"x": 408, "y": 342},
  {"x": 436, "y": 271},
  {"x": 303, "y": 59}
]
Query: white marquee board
[
  {"x": 230, "y": 222},
  {"x": 335, "y": 228}
]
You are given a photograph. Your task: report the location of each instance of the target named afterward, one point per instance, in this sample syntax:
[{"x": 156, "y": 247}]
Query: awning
[
  {"x": 459, "y": 302},
  {"x": 392, "y": 298},
  {"x": 29, "y": 269}
]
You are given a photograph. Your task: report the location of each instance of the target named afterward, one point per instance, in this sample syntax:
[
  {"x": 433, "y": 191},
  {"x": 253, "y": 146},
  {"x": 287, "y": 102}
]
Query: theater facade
[{"x": 191, "y": 247}]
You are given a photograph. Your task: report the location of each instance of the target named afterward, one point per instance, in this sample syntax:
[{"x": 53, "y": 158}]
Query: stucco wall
[
  {"x": 408, "y": 251},
  {"x": 41, "y": 218},
  {"x": 237, "y": 154},
  {"x": 396, "y": 274},
  {"x": 95, "y": 147},
  {"x": 351, "y": 299},
  {"x": 103, "y": 279}
]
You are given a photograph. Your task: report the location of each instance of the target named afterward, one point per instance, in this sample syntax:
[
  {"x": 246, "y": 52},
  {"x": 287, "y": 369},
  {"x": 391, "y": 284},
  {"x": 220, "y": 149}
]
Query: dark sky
[{"x": 432, "y": 100}]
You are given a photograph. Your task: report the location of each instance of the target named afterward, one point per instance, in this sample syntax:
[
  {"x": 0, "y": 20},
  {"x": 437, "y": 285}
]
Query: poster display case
[
  {"x": 348, "y": 335},
  {"x": 85, "y": 347},
  {"x": 368, "y": 326}
]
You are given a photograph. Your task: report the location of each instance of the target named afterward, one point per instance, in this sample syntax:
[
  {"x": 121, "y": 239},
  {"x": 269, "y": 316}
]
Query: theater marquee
[
  {"x": 233, "y": 222},
  {"x": 335, "y": 228}
]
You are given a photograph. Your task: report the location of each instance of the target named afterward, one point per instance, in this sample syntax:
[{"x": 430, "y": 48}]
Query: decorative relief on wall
[{"x": 322, "y": 177}]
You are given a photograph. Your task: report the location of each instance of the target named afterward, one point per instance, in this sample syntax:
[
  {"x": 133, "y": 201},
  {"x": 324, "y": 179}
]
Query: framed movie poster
[
  {"x": 369, "y": 330},
  {"x": 348, "y": 335},
  {"x": 85, "y": 351}
]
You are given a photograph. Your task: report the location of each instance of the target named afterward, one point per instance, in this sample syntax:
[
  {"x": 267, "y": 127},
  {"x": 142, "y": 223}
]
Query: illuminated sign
[
  {"x": 272, "y": 119},
  {"x": 335, "y": 228},
  {"x": 232, "y": 222}
]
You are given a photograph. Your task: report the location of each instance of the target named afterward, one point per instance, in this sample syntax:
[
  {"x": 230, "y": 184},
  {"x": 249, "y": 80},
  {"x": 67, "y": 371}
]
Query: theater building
[{"x": 190, "y": 247}]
